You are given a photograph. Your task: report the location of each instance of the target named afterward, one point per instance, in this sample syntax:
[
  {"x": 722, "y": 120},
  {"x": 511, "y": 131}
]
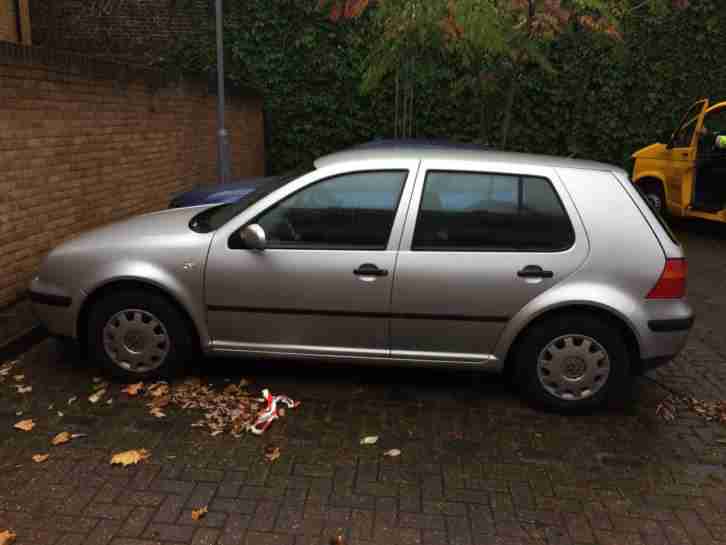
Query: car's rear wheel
[
  {"x": 138, "y": 335},
  {"x": 572, "y": 362}
]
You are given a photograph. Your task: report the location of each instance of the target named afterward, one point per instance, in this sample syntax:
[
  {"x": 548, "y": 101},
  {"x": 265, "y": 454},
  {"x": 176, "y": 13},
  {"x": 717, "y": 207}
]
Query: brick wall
[
  {"x": 129, "y": 30},
  {"x": 84, "y": 143},
  {"x": 8, "y": 21}
]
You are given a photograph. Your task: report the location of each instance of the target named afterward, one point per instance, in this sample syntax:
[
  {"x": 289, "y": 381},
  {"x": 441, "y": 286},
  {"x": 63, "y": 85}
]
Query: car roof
[{"x": 428, "y": 149}]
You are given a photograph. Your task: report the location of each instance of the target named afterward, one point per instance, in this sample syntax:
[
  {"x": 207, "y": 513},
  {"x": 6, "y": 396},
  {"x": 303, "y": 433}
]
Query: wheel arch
[
  {"x": 119, "y": 284},
  {"x": 604, "y": 313}
]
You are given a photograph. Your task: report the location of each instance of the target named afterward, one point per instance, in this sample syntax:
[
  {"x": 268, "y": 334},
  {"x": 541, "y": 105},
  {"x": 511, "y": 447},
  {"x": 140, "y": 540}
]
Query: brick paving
[{"x": 478, "y": 466}]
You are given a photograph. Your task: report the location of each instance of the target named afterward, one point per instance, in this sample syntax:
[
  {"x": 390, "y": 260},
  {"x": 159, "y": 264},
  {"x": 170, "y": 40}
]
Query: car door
[
  {"x": 681, "y": 157},
  {"x": 322, "y": 285},
  {"x": 481, "y": 241}
]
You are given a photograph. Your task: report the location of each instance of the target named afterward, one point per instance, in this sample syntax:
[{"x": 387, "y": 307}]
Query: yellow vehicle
[{"x": 687, "y": 176}]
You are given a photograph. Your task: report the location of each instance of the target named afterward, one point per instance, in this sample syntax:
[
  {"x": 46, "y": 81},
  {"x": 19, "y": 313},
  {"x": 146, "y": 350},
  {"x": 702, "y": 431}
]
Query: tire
[
  {"x": 559, "y": 360},
  {"x": 653, "y": 191},
  {"x": 159, "y": 335}
]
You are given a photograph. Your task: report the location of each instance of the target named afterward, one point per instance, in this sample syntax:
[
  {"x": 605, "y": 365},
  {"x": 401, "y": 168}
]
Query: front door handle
[
  {"x": 534, "y": 271},
  {"x": 370, "y": 269}
]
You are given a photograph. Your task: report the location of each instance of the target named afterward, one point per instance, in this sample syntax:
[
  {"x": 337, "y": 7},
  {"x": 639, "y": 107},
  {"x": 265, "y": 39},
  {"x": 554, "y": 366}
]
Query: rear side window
[{"x": 474, "y": 211}]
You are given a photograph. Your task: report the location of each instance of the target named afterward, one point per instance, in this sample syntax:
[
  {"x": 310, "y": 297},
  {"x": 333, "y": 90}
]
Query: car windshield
[{"x": 212, "y": 219}]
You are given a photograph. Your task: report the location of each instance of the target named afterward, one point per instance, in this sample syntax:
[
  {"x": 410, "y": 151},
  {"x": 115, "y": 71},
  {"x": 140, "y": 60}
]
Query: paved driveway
[{"x": 478, "y": 466}]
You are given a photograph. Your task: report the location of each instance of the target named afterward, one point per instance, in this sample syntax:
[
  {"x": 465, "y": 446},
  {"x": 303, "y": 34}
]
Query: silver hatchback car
[{"x": 552, "y": 269}]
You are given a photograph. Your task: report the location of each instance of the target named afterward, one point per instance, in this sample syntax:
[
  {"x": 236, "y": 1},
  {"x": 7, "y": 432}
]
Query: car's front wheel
[
  {"x": 572, "y": 362},
  {"x": 138, "y": 335}
]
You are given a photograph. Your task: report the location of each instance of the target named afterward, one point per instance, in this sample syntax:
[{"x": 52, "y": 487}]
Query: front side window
[
  {"x": 467, "y": 211},
  {"x": 350, "y": 211},
  {"x": 683, "y": 136}
]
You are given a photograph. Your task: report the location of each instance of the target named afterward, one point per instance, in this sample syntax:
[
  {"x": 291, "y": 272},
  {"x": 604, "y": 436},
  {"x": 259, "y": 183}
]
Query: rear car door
[
  {"x": 322, "y": 286},
  {"x": 481, "y": 241}
]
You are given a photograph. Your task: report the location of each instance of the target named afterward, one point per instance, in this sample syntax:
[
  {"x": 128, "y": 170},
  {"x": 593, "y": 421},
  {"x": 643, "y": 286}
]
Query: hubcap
[
  {"x": 573, "y": 367},
  {"x": 136, "y": 340}
]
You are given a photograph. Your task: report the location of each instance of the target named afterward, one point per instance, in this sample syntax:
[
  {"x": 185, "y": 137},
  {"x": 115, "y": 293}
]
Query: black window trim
[
  {"x": 234, "y": 242},
  {"x": 492, "y": 249}
]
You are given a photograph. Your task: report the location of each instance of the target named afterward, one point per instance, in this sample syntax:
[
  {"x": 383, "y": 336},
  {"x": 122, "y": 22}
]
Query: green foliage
[{"x": 601, "y": 99}]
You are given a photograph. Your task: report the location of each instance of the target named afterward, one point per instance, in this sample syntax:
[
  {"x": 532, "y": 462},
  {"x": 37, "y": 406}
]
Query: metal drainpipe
[{"x": 223, "y": 168}]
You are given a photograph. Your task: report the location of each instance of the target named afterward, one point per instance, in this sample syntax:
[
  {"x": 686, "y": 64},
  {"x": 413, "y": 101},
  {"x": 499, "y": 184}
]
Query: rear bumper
[{"x": 671, "y": 325}]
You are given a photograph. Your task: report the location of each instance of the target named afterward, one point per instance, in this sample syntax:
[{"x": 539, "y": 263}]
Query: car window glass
[
  {"x": 683, "y": 136},
  {"x": 462, "y": 211},
  {"x": 349, "y": 211}
]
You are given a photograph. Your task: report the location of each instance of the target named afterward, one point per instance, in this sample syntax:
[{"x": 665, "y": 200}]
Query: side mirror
[{"x": 253, "y": 237}]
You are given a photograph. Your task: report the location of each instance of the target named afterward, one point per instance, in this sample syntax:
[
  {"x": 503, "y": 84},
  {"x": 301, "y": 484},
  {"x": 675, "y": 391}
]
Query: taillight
[{"x": 672, "y": 281}]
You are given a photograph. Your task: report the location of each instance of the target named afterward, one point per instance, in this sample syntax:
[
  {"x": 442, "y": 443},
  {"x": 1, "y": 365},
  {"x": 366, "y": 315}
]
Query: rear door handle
[
  {"x": 534, "y": 271},
  {"x": 370, "y": 269}
]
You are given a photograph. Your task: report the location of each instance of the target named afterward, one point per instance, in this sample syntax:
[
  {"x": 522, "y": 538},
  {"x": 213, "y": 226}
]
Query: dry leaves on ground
[
  {"x": 230, "y": 410},
  {"x": 25, "y": 425},
  {"x": 157, "y": 412},
  {"x": 133, "y": 389},
  {"x": 712, "y": 411},
  {"x": 22, "y": 389},
  {"x": 40, "y": 458},
  {"x": 370, "y": 440},
  {"x": 272, "y": 453},
  {"x": 65, "y": 436},
  {"x": 392, "y": 453},
  {"x": 158, "y": 389},
  {"x": 7, "y": 537},
  {"x": 199, "y": 513},
  {"x": 130, "y": 457},
  {"x": 666, "y": 409},
  {"x": 18, "y": 378}
]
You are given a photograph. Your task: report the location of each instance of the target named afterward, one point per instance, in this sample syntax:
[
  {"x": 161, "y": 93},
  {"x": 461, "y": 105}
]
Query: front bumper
[{"x": 53, "y": 308}]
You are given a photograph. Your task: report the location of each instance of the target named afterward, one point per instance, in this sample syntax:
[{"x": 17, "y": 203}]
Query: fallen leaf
[
  {"x": 5, "y": 368},
  {"x": 40, "y": 458},
  {"x": 133, "y": 389},
  {"x": 393, "y": 452},
  {"x": 159, "y": 389},
  {"x": 109, "y": 402},
  {"x": 157, "y": 412},
  {"x": 96, "y": 396},
  {"x": 25, "y": 425},
  {"x": 62, "y": 437},
  {"x": 7, "y": 537},
  {"x": 370, "y": 440},
  {"x": 60, "y": 414},
  {"x": 199, "y": 513},
  {"x": 23, "y": 389},
  {"x": 72, "y": 400},
  {"x": 18, "y": 378},
  {"x": 130, "y": 457},
  {"x": 272, "y": 453},
  {"x": 18, "y": 413}
]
